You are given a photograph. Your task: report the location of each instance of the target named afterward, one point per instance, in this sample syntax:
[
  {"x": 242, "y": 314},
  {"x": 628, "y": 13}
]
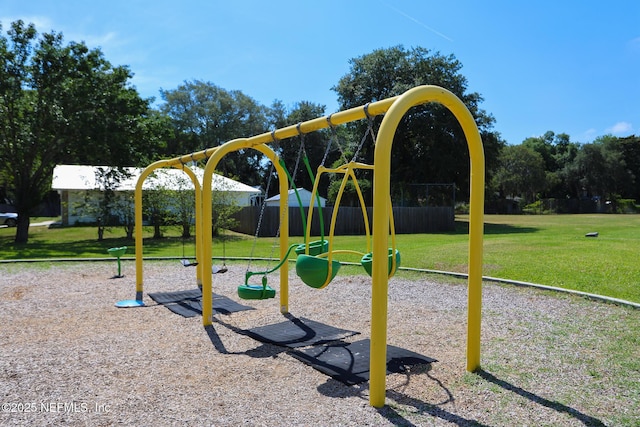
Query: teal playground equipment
[{"x": 118, "y": 252}]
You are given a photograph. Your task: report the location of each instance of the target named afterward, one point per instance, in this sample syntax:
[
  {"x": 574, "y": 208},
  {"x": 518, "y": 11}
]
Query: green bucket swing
[
  {"x": 263, "y": 290},
  {"x": 314, "y": 271},
  {"x": 316, "y": 247},
  {"x": 318, "y": 269},
  {"x": 367, "y": 262},
  {"x": 393, "y": 253}
]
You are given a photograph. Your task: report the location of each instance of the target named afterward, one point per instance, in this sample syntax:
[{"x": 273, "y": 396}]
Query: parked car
[{"x": 9, "y": 219}]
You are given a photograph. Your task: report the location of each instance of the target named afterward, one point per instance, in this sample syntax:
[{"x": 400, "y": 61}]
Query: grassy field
[{"x": 550, "y": 250}]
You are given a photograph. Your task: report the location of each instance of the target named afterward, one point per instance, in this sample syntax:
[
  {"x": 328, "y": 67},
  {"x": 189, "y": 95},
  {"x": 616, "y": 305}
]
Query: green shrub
[
  {"x": 626, "y": 206},
  {"x": 462, "y": 209}
]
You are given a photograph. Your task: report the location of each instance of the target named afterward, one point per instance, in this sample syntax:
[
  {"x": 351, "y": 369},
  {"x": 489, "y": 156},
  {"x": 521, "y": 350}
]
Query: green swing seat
[
  {"x": 367, "y": 262},
  {"x": 316, "y": 247},
  {"x": 313, "y": 271},
  {"x": 263, "y": 291},
  {"x": 256, "y": 292}
]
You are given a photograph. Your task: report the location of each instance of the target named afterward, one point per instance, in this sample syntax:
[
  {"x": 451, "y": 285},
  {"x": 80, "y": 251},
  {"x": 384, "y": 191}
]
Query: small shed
[
  {"x": 305, "y": 198},
  {"x": 77, "y": 183}
]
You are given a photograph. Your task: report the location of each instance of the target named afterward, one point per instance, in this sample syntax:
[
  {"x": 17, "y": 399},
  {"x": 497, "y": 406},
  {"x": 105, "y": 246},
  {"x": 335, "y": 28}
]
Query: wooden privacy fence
[{"x": 408, "y": 220}]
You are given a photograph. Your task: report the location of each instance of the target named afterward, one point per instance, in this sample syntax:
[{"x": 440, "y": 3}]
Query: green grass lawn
[{"x": 550, "y": 250}]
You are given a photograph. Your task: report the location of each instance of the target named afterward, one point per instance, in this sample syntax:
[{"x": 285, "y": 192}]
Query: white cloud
[
  {"x": 620, "y": 127},
  {"x": 42, "y": 23}
]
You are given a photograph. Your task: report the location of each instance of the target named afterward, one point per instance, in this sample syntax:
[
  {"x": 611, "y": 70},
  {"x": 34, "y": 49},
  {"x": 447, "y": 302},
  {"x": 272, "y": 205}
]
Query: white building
[
  {"x": 78, "y": 184},
  {"x": 305, "y": 199}
]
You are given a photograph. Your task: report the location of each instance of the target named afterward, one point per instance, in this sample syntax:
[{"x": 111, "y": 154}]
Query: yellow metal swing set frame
[{"x": 382, "y": 261}]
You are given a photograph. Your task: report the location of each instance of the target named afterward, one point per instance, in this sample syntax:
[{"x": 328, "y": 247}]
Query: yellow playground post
[
  {"x": 207, "y": 216},
  {"x": 178, "y": 163},
  {"x": 381, "y": 189}
]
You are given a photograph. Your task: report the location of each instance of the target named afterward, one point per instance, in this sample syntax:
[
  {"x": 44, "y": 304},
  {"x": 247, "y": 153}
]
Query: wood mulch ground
[{"x": 67, "y": 355}]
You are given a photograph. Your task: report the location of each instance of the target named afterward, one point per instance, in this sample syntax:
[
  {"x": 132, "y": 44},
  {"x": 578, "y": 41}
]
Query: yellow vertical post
[
  {"x": 476, "y": 233},
  {"x": 206, "y": 228},
  {"x": 284, "y": 234},
  {"x": 381, "y": 191},
  {"x": 137, "y": 197},
  {"x": 138, "y": 224},
  {"x": 198, "y": 232},
  {"x": 207, "y": 219},
  {"x": 379, "y": 268}
]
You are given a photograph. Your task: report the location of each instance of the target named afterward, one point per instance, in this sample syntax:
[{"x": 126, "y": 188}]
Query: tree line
[
  {"x": 551, "y": 166},
  {"x": 66, "y": 103}
]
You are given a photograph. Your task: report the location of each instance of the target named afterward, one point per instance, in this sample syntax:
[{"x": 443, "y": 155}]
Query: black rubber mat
[
  {"x": 298, "y": 332},
  {"x": 177, "y": 296},
  {"x": 189, "y": 303},
  {"x": 349, "y": 362}
]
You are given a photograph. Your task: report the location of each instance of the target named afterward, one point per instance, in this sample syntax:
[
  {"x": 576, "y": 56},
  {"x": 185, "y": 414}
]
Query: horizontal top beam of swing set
[{"x": 341, "y": 117}]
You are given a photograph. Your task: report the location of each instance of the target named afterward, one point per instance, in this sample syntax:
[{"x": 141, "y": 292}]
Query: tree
[
  {"x": 558, "y": 152},
  {"x": 157, "y": 202},
  {"x": 205, "y": 115},
  {"x": 521, "y": 172},
  {"x": 599, "y": 169},
  {"x": 105, "y": 204},
  {"x": 429, "y": 145},
  {"x": 315, "y": 144},
  {"x": 182, "y": 199},
  {"x": 630, "y": 148},
  {"x": 61, "y": 104}
]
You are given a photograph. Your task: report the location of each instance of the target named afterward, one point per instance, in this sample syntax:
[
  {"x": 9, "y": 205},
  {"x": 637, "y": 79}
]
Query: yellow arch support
[
  {"x": 138, "y": 218},
  {"x": 207, "y": 219},
  {"x": 381, "y": 190}
]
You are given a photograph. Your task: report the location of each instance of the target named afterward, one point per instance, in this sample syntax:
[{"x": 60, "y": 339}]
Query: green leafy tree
[
  {"x": 104, "y": 203},
  {"x": 521, "y": 172},
  {"x": 61, "y": 104},
  {"x": 600, "y": 169},
  {"x": 170, "y": 199},
  {"x": 124, "y": 209},
  {"x": 205, "y": 115},
  {"x": 429, "y": 145},
  {"x": 630, "y": 149},
  {"x": 558, "y": 152},
  {"x": 157, "y": 203},
  {"x": 183, "y": 200},
  {"x": 314, "y": 143}
]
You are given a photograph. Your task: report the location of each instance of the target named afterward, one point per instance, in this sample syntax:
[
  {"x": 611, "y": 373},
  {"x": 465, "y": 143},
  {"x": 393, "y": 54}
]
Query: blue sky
[{"x": 568, "y": 66}]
